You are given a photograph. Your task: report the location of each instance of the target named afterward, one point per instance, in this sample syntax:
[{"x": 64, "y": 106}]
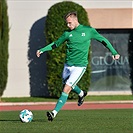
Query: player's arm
[
  {"x": 106, "y": 43},
  {"x": 52, "y": 45},
  {"x": 46, "y": 48}
]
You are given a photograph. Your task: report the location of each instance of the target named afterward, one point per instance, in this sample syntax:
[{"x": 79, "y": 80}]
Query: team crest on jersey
[{"x": 83, "y": 34}]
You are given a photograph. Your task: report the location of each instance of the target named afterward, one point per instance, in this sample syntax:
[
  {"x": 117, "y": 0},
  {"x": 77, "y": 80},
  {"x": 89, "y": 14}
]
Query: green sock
[
  {"x": 76, "y": 89},
  {"x": 62, "y": 100}
]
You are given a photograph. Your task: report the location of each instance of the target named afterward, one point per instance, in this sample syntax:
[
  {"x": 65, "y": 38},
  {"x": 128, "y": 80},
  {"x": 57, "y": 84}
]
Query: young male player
[{"x": 78, "y": 42}]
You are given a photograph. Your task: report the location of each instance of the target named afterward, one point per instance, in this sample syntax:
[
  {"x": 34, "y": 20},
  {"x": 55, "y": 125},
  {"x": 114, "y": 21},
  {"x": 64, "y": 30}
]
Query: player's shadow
[
  {"x": 37, "y": 66},
  {"x": 11, "y": 120}
]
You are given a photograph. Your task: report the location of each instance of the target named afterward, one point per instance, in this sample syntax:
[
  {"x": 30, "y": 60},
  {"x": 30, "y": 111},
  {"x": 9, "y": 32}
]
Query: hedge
[{"x": 4, "y": 30}]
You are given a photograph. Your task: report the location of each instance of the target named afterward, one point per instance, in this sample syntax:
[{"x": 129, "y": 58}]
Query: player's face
[{"x": 71, "y": 22}]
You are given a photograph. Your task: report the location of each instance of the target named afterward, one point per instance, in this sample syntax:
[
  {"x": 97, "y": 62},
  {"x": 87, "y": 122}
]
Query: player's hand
[
  {"x": 38, "y": 53},
  {"x": 116, "y": 57}
]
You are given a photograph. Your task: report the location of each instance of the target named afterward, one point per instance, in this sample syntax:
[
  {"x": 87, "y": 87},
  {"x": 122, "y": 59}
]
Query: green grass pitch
[{"x": 76, "y": 121}]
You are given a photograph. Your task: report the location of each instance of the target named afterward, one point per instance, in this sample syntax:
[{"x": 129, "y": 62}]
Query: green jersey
[{"x": 78, "y": 43}]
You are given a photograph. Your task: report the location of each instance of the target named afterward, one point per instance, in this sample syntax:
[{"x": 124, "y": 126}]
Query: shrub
[
  {"x": 55, "y": 26},
  {"x": 3, "y": 45}
]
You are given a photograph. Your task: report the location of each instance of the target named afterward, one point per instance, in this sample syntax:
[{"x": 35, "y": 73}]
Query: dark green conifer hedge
[{"x": 4, "y": 31}]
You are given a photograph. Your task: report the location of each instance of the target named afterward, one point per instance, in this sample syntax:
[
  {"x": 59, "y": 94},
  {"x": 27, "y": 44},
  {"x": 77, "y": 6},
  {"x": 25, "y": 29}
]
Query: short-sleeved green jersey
[{"x": 78, "y": 43}]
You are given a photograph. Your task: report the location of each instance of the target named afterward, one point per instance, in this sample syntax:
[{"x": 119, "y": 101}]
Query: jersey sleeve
[
  {"x": 103, "y": 40},
  {"x": 61, "y": 39},
  {"x": 55, "y": 44},
  {"x": 48, "y": 47}
]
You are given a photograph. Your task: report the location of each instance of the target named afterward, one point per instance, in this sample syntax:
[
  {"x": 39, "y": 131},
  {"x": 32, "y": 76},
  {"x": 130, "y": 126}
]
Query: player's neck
[{"x": 77, "y": 25}]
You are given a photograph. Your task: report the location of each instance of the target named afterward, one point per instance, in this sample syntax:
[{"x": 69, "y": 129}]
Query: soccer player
[{"x": 78, "y": 39}]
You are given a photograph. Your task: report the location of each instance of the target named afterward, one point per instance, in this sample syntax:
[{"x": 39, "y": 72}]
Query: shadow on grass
[
  {"x": 37, "y": 120},
  {"x": 10, "y": 120}
]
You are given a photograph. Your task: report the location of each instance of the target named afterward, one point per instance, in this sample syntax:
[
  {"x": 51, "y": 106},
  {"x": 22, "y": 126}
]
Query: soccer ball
[{"x": 26, "y": 116}]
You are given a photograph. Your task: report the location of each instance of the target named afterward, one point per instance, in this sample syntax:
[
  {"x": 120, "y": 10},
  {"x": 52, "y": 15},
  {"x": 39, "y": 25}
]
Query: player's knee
[{"x": 67, "y": 89}]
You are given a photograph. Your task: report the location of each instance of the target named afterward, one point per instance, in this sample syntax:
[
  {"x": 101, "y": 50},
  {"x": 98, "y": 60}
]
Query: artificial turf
[{"x": 74, "y": 121}]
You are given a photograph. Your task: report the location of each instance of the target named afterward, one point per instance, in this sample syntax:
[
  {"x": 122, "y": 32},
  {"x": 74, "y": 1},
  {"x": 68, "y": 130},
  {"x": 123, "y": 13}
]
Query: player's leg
[
  {"x": 63, "y": 98},
  {"x": 81, "y": 94},
  {"x": 77, "y": 90},
  {"x": 71, "y": 76},
  {"x": 77, "y": 74},
  {"x": 60, "y": 103}
]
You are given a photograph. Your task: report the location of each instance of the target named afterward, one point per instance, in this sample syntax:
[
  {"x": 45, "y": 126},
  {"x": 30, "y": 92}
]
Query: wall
[
  {"x": 111, "y": 18},
  {"x": 26, "y": 19}
]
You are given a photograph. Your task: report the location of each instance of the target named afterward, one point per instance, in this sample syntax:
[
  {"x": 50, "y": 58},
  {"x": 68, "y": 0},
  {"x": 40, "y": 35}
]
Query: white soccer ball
[{"x": 26, "y": 116}]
